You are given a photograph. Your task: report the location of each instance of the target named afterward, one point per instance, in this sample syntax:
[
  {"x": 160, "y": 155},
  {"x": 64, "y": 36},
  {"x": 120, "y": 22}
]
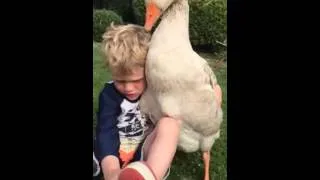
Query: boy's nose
[{"x": 128, "y": 87}]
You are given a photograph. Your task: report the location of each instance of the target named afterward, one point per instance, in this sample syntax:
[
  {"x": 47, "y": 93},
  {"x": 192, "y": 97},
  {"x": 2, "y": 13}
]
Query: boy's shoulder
[
  {"x": 108, "y": 87},
  {"x": 110, "y": 91}
]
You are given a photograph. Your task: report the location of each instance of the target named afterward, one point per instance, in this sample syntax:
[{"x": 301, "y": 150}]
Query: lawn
[{"x": 184, "y": 166}]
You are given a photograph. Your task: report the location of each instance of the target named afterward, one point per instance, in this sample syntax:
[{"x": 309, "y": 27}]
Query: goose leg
[{"x": 206, "y": 162}]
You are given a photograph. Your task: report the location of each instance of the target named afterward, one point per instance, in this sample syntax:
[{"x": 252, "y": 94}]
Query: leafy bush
[
  {"x": 207, "y": 21},
  {"x": 139, "y": 11},
  {"x": 101, "y": 20},
  {"x": 122, "y": 8}
]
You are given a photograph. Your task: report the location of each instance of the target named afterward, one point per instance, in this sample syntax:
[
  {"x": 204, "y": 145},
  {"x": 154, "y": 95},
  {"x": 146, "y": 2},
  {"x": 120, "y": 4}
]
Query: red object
[{"x": 134, "y": 171}]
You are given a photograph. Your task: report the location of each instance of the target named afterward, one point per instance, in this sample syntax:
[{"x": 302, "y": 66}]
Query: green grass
[{"x": 185, "y": 166}]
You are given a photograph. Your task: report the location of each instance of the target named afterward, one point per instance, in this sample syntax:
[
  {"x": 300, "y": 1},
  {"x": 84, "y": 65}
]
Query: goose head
[{"x": 154, "y": 9}]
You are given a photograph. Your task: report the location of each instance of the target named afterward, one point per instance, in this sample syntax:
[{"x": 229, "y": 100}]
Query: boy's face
[{"x": 132, "y": 85}]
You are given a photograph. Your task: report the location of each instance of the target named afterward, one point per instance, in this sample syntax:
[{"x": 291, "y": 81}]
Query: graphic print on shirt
[{"x": 131, "y": 129}]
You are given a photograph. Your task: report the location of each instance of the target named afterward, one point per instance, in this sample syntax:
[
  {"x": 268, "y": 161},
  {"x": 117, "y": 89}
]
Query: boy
[{"x": 123, "y": 134}]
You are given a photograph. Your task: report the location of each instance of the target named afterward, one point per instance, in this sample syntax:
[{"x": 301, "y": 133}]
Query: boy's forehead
[{"x": 135, "y": 74}]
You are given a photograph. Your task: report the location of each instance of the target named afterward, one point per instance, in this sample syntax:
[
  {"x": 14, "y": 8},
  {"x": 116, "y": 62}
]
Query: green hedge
[
  {"x": 101, "y": 20},
  {"x": 123, "y": 8},
  {"x": 207, "y": 22},
  {"x": 139, "y": 11}
]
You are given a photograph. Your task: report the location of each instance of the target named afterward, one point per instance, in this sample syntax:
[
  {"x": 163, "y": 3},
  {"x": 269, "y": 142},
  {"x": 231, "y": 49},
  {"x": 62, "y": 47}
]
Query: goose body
[{"x": 180, "y": 82}]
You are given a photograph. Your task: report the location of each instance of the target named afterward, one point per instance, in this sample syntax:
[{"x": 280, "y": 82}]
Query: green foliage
[
  {"x": 123, "y": 8},
  {"x": 207, "y": 21},
  {"x": 101, "y": 20},
  {"x": 139, "y": 11}
]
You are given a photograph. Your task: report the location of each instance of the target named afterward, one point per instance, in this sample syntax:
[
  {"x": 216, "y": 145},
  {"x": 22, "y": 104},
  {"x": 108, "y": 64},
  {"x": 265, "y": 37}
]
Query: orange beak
[{"x": 152, "y": 15}]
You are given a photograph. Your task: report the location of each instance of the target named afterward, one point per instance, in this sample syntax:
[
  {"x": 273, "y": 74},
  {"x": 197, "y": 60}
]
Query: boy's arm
[{"x": 107, "y": 134}]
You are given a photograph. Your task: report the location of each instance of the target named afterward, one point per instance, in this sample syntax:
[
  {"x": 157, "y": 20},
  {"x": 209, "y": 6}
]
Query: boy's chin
[{"x": 133, "y": 97}]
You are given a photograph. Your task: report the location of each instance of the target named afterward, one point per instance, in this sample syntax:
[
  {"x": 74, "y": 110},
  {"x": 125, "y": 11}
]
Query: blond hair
[{"x": 125, "y": 47}]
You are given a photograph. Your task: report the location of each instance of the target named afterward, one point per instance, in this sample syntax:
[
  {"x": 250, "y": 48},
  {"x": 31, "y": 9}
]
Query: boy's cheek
[{"x": 142, "y": 86}]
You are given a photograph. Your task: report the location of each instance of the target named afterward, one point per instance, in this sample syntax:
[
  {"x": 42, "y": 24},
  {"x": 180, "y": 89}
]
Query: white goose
[{"x": 180, "y": 82}]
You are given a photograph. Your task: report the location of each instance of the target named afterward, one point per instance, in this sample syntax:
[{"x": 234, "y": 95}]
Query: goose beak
[{"x": 152, "y": 15}]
